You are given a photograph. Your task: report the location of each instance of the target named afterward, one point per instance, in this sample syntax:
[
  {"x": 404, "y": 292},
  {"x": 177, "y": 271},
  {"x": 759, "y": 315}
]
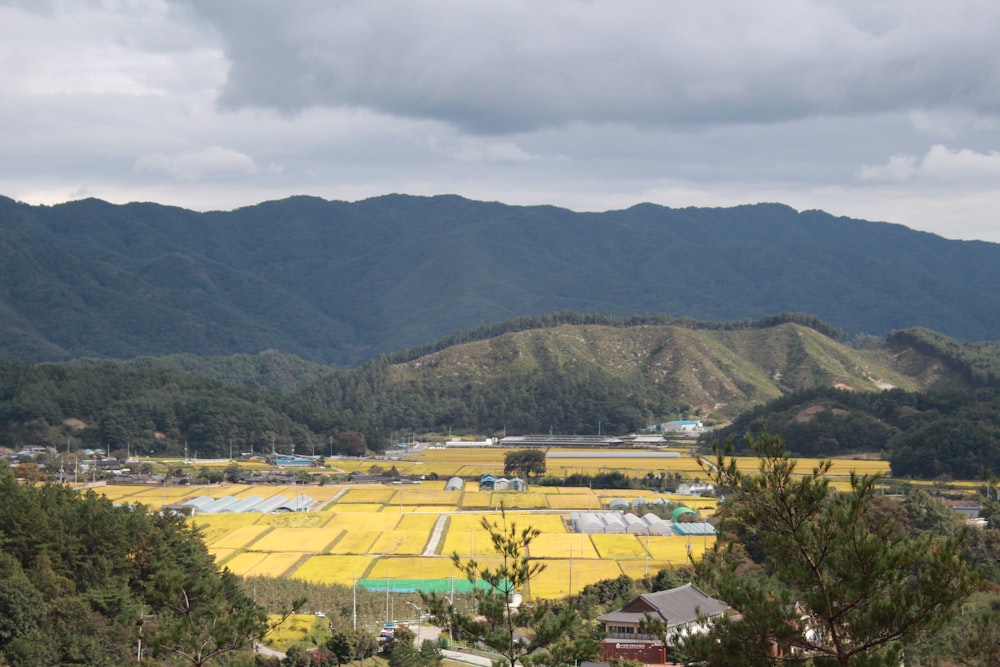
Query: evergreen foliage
[
  {"x": 924, "y": 435},
  {"x": 338, "y": 282},
  {"x": 836, "y": 584},
  {"x": 541, "y": 633},
  {"x": 81, "y": 580}
]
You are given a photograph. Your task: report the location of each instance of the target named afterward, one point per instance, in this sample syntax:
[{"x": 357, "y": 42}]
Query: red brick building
[{"x": 677, "y": 609}]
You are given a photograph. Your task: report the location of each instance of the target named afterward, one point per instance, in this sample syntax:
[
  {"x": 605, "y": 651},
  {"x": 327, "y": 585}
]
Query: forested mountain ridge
[
  {"x": 571, "y": 378},
  {"x": 340, "y": 283}
]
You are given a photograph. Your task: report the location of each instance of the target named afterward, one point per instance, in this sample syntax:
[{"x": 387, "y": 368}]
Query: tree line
[
  {"x": 111, "y": 406},
  {"x": 926, "y": 435}
]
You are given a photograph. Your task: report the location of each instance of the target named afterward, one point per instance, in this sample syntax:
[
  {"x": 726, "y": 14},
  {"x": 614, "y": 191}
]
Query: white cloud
[
  {"x": 961, "y": 165},
  {"x": 941, "y": 164},
  {"x": 899, "y": 168},
  {"x": 212, "y": 162}
]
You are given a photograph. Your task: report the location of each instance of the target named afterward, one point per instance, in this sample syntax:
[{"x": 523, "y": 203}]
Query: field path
[{"x": 432, "y": 544}]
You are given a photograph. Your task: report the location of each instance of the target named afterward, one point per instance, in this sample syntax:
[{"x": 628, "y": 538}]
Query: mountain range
[{"x": 340, "y": 283}]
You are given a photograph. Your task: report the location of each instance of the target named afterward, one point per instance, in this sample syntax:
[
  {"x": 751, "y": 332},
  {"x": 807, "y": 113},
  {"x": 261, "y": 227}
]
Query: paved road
[{"x": 468, "y": 658}]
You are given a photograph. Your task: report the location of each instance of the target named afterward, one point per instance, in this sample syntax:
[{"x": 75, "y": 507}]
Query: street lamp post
[{"x": 416, "y": 633}]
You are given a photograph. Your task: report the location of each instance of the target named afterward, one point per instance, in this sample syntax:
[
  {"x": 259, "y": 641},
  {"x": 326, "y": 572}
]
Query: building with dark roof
[{"x": 678, "y": 609}]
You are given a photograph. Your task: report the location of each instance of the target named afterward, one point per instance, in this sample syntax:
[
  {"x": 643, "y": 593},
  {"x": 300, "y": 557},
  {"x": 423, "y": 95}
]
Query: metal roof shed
[
  {"x": 243, "y": 505},
  {"x": 270, "y": 504}
]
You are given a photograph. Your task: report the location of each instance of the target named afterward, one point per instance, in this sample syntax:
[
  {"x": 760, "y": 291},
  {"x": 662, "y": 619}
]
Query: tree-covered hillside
[
  {"x": 111, "y": 406},
  {"x": 951, "y": 428},
  {"x": 340, "y": 283},
  {"x": 83, "y": 582},
  {"x": 824, "y": 396}
]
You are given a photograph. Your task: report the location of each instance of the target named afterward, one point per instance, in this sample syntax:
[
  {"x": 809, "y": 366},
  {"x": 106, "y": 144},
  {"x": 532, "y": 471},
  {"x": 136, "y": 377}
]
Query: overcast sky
[{"x": 884, "y": 111}]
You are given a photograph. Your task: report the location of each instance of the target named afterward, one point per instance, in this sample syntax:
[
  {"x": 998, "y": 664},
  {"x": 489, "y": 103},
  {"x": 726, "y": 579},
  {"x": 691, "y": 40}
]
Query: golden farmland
[{"x": 410, "y": 531}]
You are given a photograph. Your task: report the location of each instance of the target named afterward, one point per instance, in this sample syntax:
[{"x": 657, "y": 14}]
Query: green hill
[{"x": 340, "y": 283}]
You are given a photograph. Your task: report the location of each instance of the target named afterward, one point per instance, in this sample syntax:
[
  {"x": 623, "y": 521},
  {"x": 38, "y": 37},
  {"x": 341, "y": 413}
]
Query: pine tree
[{"x": 833, "y": 586}]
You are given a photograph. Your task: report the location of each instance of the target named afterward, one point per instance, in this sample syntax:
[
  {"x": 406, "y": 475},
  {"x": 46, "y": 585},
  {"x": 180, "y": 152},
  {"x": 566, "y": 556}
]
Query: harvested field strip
[
  {"x": 401, "y": 542},
  {"x": 553, "y": 545},
  {"x": 221, "y": 555},
  {"x": 265, "y": 491},
  {"x": 313, "y": 540},
  {"x": 269, "y": 565},
  {"x": 476, "y": 500},
  {"x": 615, "y": 547},
  {"x": 368, "y": 494},
  {"x": 116, "y": 492},
  {"x": 422, "y": 496},
  {"x": 356, "y": 542},
  {"x": 413, "y": 521},
  {"x": 686, "y": 467},
  {"x": 468, "y": 542},
  {"x": 242, "y": 564},
  {"x": 363, "y": 521},
  {"x": 154, "y": 497},
  {"x": 462, "y": 455},
  {"x": 414, "y": 568},
  {"x": 369, "y": 508},
  {"x": 554, "y": 580},
  {"x": 213, "y": 530},
  {"x": 566, "y": 501},
  {"x": 295, "y": 519},
  {"x": 296, "y": 628},
  {"x": 434, "y": 484},
  {"x": 673, "y": 548},
  {"x": 240, "y": 538},
  {"x": 418, "y": 509},
  {"x": 333, "y": 569},
  {"x": 547, "y": 523},
  {"x": 639, "y": 569},
  {"x": 521, "y": 500},
  {"x": 475, "y": 469}
]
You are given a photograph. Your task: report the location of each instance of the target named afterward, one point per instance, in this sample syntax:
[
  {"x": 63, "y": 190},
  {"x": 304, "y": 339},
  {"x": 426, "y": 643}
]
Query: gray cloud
[
  {"x": 884, "y": 111},
  {"x": 518, "y": 66}
]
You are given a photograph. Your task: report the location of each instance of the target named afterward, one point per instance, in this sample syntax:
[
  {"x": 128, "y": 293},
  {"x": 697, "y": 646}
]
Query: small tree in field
[
  {"x": 835, "y": 583},
  {"x": 525, "y": 633},
  {"x": 524, "y": 462}
]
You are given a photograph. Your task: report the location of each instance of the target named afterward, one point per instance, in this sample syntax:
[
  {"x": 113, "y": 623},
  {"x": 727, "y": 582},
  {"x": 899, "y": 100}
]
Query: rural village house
[{"x": 678, "y": 609}]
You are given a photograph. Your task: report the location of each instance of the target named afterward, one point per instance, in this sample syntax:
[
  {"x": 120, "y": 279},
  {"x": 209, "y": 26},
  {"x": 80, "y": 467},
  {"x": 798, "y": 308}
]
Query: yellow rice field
[
  {"x": 401, "y": 542},
  {"x": 313, "y": 540},
  {"x": 363, "y": 521},
  {"x": 356, "y": 542},
  {"x": 238, "y": 538},
  {"x": 437, "y": 567},
  {"x": 334, "y": 569},
  {"x": 554, "y": 581},
  {"x": 673, "y": 548},
  {"x": 294, "y": 629},
  {"x": 295, "y": 519},
  {"x": 276, "y": 565},
  {"x": 215, "y": 526},
  {"x": 566, "y": 501},
  {"x": 368, "y": 494},
  {"x": 354, "y": 507},
  {"x": 615, "y": 547},
  {"x": 414, "y": 521},
  {"x": 243, "y": 563},
  {"x": 378, "y": 531},
  {"x": 411, "y": 496},
  {"x": 640, "y": 569},
  {"x": 555, "y": 545}
]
